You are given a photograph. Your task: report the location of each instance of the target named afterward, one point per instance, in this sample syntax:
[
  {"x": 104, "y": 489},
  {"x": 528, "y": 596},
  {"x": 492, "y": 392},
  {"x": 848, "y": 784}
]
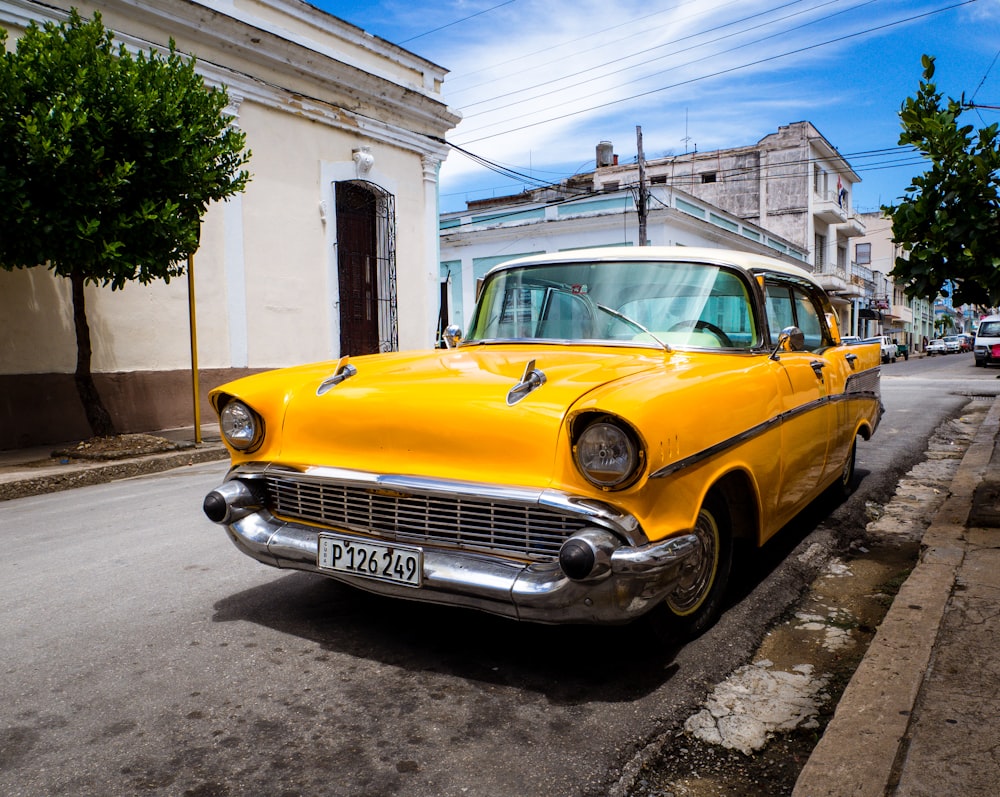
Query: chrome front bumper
[{"x": 627, "y": 581}]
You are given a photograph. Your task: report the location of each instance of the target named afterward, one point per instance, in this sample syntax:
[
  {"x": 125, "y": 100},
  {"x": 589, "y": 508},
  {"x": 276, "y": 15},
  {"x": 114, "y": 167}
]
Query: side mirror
[
  {"x": 790, "y": 339},
  {"x": 452, "y": 336}
]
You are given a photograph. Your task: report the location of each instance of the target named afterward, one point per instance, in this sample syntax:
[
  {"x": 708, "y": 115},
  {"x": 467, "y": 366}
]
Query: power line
[
  {"x": 717, "y": 73},
  {"x": 889, "y": 158},
  {"x": 673, "y": 53},
  {"x": 458, "y": 21},
  {"x": 605, "y": 42}
]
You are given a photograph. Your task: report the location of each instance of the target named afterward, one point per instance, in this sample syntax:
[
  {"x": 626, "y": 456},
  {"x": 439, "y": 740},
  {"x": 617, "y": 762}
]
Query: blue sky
[{"x": 540, "y": 82}]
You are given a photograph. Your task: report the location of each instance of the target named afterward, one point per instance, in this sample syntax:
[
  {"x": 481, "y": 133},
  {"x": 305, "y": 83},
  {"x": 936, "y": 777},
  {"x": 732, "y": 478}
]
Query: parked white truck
[{"x": 889, "y": 349}]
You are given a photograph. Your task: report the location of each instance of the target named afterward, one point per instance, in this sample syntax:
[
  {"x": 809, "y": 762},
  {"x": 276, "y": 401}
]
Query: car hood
[{"x": 444, "y": 414}]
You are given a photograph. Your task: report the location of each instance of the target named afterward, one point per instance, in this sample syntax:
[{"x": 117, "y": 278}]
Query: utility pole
[{"x": 642, "y": 187}]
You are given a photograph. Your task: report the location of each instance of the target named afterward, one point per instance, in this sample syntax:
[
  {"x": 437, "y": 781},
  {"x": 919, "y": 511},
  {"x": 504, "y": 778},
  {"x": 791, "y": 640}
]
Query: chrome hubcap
[{"x": 699, "y": 574}]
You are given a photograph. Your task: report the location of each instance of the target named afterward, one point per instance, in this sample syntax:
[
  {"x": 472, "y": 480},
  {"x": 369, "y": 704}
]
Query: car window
[
  {"x": 808, "y": 320},
  {"x": 780, "y": 309},
  {"x": 989, "y": 329},
  {"x": 790, "y": 305}
]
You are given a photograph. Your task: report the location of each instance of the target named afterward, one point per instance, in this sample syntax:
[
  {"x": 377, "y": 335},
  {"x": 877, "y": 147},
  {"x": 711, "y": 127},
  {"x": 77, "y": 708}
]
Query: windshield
[
  {"x": 989, "y": 329},
  {"x": 644, "y": 303}
]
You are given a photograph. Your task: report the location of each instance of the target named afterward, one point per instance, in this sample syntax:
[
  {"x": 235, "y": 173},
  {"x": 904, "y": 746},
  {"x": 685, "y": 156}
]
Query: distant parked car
[
  {"x": 903, "y": 350},
  {"x": 987, "y": 343},
  {"x": 936, "y": 346},
  {"x": 850, "y": 340},
  {"x": 953, "y": 343}
]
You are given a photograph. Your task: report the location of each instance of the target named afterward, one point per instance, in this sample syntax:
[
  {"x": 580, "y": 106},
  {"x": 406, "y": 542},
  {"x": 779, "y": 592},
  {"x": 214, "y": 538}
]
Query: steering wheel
[{"x": 708, "y": 326}]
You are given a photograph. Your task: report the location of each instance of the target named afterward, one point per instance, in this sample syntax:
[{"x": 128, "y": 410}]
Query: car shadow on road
[{"x": 569, "y": 664}]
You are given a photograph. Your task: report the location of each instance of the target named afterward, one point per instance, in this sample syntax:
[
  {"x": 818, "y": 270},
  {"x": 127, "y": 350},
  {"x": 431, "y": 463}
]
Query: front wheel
[{"x": 698, "y": 600}]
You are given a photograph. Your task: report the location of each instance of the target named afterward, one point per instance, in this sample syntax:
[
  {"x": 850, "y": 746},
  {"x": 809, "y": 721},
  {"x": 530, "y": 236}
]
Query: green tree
[
  {"x": 948, "y": 222},
  {"x": 108, "y": 161}
]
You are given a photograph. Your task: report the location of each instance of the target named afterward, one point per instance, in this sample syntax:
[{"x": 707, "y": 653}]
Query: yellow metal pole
[{"x": 194, "y": 350}]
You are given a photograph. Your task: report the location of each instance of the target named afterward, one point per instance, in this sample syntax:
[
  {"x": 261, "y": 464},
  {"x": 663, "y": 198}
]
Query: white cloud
[
  {"x": 556, "y": 80},
  {"x": 541, "y": 82}
]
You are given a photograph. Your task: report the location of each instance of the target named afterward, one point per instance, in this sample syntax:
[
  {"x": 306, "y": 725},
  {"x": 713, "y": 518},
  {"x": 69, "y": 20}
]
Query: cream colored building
[
  {"x": 793, "y": 183},
  {"x": 885, "y": 309},
  {"x": 331, "y": 250}
]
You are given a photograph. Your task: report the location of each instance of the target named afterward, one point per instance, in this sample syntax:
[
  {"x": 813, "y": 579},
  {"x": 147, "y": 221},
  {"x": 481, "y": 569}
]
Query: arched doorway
[{"x": 366, "y": 265}]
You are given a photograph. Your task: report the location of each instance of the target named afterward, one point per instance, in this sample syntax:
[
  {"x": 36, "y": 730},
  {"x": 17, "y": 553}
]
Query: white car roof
[{"x": 746, "y": 261}]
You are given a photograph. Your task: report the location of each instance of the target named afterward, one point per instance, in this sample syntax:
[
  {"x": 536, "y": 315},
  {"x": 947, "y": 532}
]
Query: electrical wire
[
  {"x": 664, "y": 56},
  {"x": 605, "y": 42},
  {"x": 457, "y": 21},
  {"x": 718, "y": 73},
  {"x": 891, "y": 158}
]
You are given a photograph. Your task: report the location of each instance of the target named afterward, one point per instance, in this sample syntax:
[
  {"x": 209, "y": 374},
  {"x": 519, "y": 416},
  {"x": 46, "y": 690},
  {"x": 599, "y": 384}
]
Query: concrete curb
[
  {"x": 858, "y": 752},
  {"x": 67, "y": 477}
]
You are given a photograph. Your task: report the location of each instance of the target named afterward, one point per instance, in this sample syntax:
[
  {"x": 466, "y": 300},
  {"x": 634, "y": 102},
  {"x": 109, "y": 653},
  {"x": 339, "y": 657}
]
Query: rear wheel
[
  {"x": 698, "y": 600},
  {"x": 844, "y": 485}
]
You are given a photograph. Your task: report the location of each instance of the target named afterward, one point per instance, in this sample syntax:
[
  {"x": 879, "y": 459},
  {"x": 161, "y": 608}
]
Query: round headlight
[
  {"x": 240, "y": 426},
  {"x": 607, "y": 454}
]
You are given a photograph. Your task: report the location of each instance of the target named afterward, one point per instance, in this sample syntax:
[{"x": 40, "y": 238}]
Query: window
[
  {"x": 708, "y": 177},
  {"x": 791, "y": 305},
  {"x": 808, "y": 320},
  {"x": 819, "y": 255},
  {"x": 863, "y": 254}
]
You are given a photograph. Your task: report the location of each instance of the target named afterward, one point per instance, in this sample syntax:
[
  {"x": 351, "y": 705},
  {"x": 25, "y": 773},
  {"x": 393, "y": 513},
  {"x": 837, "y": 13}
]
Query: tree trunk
[{"x": 98, "y": 417}]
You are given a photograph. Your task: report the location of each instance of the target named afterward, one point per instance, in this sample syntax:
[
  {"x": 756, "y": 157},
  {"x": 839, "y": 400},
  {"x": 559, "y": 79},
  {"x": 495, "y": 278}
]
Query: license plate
[{"x": 371, "y": 560}]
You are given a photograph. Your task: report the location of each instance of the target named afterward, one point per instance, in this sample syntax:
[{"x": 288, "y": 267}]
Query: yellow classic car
[{"x": 614, "y": 421}]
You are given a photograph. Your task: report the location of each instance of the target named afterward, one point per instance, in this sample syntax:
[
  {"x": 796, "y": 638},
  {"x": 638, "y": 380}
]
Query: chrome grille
[
  {"x": 865, "y": 382},
  {"x": 522, "y": 530}
]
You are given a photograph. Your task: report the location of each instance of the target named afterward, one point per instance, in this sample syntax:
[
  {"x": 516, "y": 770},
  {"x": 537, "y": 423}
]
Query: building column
[{"x": 432, "y": 247}]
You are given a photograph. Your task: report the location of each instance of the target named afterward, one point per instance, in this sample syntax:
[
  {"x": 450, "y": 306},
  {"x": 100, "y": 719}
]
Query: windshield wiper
[{"x": 633, "y": 322}]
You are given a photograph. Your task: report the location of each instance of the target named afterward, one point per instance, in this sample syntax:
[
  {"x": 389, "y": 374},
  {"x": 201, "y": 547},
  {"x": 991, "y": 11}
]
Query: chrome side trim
[{"x": 865, "y": 385}]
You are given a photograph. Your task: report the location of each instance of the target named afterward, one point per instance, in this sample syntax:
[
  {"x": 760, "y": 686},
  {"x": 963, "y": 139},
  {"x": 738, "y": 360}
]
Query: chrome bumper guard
[{"x": 632, "y": 580}]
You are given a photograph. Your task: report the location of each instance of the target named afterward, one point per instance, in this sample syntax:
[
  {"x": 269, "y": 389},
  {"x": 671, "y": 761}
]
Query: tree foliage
[
  {"x": 949, "y": 220},
  {"x": 108, "y": 160}
]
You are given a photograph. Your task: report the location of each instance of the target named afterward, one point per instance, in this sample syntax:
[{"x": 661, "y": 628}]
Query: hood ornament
[
  {"x": 343, "y": 371},
  {"x": 532, "y": 379}
]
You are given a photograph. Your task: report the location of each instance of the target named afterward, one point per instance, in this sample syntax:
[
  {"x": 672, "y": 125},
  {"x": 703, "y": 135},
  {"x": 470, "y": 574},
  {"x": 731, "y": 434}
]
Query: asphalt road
[{"x": 142, "y": 654}]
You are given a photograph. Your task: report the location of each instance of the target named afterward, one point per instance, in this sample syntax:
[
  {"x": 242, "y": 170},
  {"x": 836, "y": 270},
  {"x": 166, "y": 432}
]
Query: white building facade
[
  {"x": 331, "y": 250},
  {"x": 886, "y": 309},
  {"x": 793, "y": 183}
]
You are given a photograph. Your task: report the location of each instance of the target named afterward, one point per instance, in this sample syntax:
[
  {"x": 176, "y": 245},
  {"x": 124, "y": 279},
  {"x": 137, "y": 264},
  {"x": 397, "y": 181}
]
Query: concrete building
[
  {"x": 565, "y": 217},
  {"x": 330, "y": 251},
  {"x": 793, "y": 183},
  {"x": 885, "y": 308}
]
